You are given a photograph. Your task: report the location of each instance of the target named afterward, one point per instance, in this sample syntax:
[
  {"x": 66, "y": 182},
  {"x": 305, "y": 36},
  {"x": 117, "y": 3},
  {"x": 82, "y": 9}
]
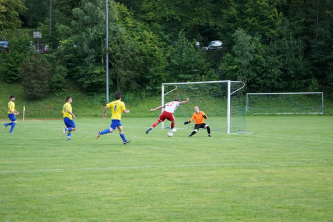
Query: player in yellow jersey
[
  {"x": 199, "y": 122},
  {"x": 117, "y": 108},
  {"x": 68, "y": 116},
  {"x": 12, "y": 113}
]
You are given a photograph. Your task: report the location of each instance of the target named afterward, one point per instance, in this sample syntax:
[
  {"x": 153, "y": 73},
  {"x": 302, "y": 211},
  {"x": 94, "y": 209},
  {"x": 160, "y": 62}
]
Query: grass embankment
[{"x": 84, "y": 106}]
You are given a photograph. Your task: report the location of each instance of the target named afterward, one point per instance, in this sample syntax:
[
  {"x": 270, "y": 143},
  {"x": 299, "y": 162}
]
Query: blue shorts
[
  {"x": 115, "y": 123},
  {"x": 69, "y": 122},
  {"x": 12, "y": 117}
]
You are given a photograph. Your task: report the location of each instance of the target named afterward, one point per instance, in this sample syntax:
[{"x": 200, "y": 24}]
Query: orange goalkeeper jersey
[{"x": 198, "y": 117}]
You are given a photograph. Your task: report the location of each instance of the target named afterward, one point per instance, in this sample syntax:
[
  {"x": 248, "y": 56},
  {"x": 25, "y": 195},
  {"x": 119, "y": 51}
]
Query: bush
[{"x": 35, "y": 72}]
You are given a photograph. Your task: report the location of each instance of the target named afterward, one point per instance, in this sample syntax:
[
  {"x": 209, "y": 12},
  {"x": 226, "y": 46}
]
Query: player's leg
[
  {"x": 70, "y": 126},
  {"x": 121, "y": 133},
  {"x": 8, "y": 124},
  {"x": 171, "y": 118},
  {"x": 161, "y": 118},
  {"x": 12, "y": 117},
  {"x": 196, "y": 128},
  {"x": 113, "y": 126},
  {"x": 208, "y": 130}
]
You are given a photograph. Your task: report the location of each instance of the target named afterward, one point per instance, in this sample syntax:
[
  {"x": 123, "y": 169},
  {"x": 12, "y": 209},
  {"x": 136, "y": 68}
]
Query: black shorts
[{"x": 197, "y": 126}]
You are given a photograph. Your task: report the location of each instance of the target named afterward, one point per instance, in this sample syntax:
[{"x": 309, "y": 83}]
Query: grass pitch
[{"x": 281, "y": 172}]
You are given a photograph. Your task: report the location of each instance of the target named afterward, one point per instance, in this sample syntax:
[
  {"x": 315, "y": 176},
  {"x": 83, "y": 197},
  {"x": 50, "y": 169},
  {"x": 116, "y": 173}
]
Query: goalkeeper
[{"x": 199, "y": 123}]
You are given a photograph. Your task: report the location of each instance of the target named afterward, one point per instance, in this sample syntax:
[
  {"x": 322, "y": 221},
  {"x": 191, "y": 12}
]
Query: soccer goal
[
  {"x": 222, "y": 102},
  {"x": 285, "y": 103}
]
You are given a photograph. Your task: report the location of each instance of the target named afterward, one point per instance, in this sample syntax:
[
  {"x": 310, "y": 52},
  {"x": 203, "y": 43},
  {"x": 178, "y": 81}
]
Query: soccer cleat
[
  {"x": 189, "y": 135},
  {"x": 98, "y": 134},
  {"x": 11, "y": 132},
  {"x": 127, "y": 141},
  {"x": 68, "y": 138},
  {"x": 64, "y": 131},
  {"x": 148, "y": 130},
  {"x": 209, "y": 135},
  {"x": 5, "y": 126}
]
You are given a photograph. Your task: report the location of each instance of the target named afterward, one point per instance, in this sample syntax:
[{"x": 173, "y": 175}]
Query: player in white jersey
[{"x": 170, "y": 108}]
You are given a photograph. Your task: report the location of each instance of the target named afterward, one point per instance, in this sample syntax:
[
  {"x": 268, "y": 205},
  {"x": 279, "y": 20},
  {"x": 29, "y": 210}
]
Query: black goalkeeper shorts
[{"x": 197, "y": 126}]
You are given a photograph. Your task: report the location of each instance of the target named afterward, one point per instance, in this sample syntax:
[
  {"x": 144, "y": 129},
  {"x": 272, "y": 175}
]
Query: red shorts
[{"x": 166, "y": 115}]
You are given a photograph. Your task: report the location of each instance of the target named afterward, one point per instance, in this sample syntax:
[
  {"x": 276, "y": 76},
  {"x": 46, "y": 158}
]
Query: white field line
[{"x": 146, "y": 167}]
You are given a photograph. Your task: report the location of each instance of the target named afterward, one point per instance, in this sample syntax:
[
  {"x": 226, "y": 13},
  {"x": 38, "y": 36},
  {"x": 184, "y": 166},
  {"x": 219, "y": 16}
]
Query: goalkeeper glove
[
  {"x": 204, "y": 116},
  {"x": 187, "y": 122}
]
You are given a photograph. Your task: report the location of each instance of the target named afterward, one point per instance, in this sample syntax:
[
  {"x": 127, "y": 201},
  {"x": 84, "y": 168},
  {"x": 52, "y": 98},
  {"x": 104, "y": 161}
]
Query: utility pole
[
  {"x": 50, "y": 25},
  {"x": 107, "y": 51}
]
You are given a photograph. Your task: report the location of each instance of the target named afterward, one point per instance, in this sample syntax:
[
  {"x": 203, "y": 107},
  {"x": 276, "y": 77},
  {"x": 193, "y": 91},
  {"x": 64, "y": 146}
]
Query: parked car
[
  {"x": 4, "y": 46},
  {"x": 215, "y": 45}
]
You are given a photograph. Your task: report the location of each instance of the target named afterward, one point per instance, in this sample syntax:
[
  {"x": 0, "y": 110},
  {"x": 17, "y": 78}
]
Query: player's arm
[
  {"x": 104, "y": 114},
  {"x": 191, "y": 120},
  {"x": 71, "y": 113},
  {"x": 126, "y": 111},
  {"x": 204, "y": 115},
  {"x": 157, "y": 108},
  {"x": 183, "y": 102}
]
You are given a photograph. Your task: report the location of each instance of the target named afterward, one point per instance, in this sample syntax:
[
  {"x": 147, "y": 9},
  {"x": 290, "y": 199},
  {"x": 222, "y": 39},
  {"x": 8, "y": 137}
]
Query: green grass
[{"x": 281, "y": 172}]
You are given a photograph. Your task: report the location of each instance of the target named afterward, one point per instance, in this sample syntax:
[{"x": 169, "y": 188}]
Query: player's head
[
  {"x": 196, "y": 108},
  {"x": 117, "y": 95},
  {"x": 176, "y": 99},
  {"x": 12, "y": 98},
  {"x": 68, "y": 99}
]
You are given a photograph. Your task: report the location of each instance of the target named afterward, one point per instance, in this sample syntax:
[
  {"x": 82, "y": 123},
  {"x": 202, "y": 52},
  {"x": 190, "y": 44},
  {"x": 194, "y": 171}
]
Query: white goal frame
[
  {"x": 222, "y": 81},
  {"x": 288, "y": 93}
]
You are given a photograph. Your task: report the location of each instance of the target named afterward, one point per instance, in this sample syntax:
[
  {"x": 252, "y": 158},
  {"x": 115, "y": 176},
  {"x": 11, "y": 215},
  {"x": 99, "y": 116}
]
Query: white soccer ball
[{"x": 170, "y": 134}]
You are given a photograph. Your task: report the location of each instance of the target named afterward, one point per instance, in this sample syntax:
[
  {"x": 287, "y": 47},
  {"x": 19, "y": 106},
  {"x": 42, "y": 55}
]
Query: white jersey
[{"x": 171, "y": 106}]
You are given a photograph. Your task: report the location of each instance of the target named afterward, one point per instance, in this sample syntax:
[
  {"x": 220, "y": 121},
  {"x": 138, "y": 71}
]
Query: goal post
[
  {"x": 222, "y": 101},
  {"x": 285, "y": 103}
]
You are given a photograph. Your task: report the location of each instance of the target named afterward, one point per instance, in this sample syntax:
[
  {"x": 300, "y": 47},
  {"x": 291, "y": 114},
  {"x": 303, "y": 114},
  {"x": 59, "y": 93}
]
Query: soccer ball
[{"x": 170, "y": 134}]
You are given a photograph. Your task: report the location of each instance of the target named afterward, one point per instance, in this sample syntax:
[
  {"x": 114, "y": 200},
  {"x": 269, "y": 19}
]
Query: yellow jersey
[
  {"x": 65, "y": 108},
  {"x": 11, "y": 105},
  {"x": 198, "y": 117},
  {"x": 117, "y": 108}
]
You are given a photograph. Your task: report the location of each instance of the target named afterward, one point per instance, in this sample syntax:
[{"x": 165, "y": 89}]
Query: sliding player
[
  {"x": 117, "y": 108},
  {"x": 68, "y": 118},
  {"x": 170, "y": 108},
  {"x": 199, "y": 123},
  {"x": 12, "y": 113}
]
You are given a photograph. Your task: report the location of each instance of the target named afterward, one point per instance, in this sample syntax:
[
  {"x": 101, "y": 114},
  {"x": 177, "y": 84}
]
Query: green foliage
[
  {"x": 19, "y": 45},
  {"x": 35, "y": 72},
  {"x": 9, "y": 14}
]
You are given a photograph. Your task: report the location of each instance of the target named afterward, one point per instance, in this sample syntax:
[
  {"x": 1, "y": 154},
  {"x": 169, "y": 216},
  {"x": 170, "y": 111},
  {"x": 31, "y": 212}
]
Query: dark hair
[
  {"x": 117, "y": 95},
  {"x": 11, "y": 97},
  {"x": 67, "y": 98},
  {"x": 176, "y": 99}
]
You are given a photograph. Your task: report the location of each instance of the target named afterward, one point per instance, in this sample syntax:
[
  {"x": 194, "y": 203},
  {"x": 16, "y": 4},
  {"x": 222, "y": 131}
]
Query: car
[
  {"x": 214, "y": 45},
  {"x": 4, "y": 46}
]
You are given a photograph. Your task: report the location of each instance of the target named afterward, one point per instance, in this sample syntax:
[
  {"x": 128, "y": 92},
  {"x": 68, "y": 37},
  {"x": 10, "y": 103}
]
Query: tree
[
  {"x": 9, "y": 14},
  {"x": 35, "y": 73}
]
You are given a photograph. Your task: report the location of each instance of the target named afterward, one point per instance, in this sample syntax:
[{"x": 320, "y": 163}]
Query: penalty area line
[{"x": 146, "y": 167}]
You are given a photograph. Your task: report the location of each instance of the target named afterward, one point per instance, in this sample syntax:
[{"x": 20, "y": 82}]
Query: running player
[
  {"x": 169, "y": 109},
  {"x": 12, "y": 113},
  {"x": 68, "y": 118},
  {"x": 199, "y": 122},
  {"x": 117, "y": 108}
]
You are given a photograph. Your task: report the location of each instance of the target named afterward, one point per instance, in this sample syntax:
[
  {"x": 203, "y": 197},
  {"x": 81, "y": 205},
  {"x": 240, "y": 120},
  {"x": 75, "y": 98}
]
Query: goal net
[
  {"x": 221, "y": 101},
  {"x": 285, "y": 103}
]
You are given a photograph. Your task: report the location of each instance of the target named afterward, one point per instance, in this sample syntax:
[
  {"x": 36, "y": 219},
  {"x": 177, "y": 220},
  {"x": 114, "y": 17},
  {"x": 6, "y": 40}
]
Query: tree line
[{"x": 273, "y": 46}]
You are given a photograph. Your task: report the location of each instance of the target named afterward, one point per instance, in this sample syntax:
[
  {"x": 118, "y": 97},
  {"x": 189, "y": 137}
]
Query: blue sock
[
  {"x": 105, "y": 131},
  {"x": 69, "y": 129},
  {"x": 8, "y": 124},
  {"x": 13, "y": 126},
  {"x": 123, "y": 137},
  {"x": 69, "y": 135}
]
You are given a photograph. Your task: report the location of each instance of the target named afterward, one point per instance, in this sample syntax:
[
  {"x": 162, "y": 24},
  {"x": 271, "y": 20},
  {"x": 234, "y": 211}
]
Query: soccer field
[{"x": 283, "y": 171}]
